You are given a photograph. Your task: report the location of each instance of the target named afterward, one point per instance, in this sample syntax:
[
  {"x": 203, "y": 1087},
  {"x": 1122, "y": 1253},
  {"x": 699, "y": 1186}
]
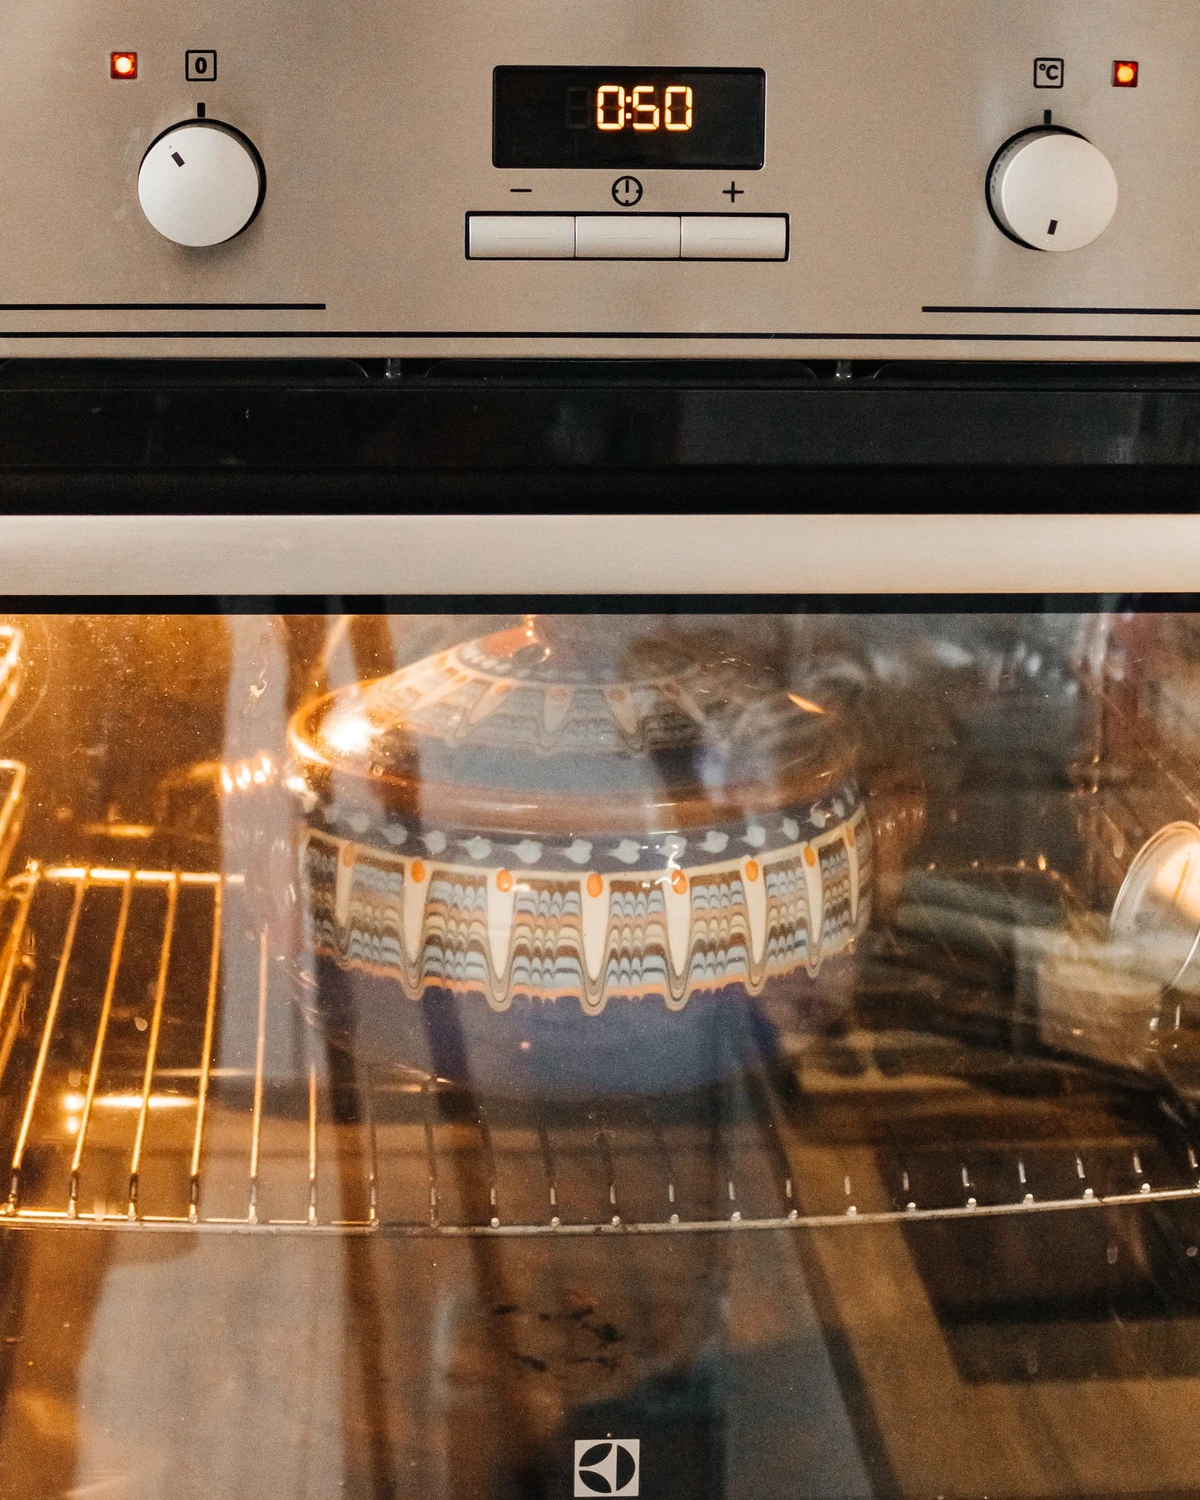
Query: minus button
[{"x": 521, "y": 236}]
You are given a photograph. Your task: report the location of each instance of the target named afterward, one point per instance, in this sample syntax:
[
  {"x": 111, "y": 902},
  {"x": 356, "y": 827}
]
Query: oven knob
[
  {"x": 1049, "y": 189},
  {"x": 201, "y": 183}
]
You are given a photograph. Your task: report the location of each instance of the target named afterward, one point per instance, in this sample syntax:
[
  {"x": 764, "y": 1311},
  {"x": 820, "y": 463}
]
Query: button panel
[{"x": 627, "y": 236}]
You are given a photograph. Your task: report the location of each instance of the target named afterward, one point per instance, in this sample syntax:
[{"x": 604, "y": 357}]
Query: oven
[
  {"x": 599, "y": 753},
  {"x": 514, "y": 1035}
]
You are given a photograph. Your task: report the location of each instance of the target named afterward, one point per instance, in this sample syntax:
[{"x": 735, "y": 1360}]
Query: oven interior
[{"x": 945, "y": 1243}]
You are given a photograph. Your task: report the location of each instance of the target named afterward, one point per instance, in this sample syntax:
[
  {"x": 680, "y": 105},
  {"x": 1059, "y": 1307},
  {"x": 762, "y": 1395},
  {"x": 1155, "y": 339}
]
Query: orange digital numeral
[
  {"x": 643, "y": 109},
  {"x": 676, "y": 108},
  {"x": 610, "y": 101}
]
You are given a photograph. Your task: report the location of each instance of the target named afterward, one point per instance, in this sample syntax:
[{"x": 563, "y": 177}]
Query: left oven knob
[{"x": 201, "y": 183}]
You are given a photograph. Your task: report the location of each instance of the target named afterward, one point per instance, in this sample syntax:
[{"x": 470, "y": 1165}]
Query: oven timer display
[
  {"x": 640, "y": 108},
  {"x": 628, "y": 117}
]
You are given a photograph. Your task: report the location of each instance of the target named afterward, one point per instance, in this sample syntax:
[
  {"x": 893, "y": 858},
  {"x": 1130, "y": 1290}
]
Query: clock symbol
[{"x": 627, "y": 191}]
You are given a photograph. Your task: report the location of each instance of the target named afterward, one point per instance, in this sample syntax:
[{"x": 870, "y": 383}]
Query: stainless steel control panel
[{"x": 945, "y": 179}]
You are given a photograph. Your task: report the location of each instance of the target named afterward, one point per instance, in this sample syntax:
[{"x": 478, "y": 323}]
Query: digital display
[{"x": 628, "y": 117}]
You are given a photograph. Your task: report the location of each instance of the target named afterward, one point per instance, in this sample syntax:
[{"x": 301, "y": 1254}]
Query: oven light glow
[
  {"x": 73, "y": 1102},
  {"x": 806, "y": 704},
  {"x": 123, "y": 65},
  {"x": 1125, "y": 75},
  {"x": 244, "y": 774},
  {"x": 350, "y": 731}
]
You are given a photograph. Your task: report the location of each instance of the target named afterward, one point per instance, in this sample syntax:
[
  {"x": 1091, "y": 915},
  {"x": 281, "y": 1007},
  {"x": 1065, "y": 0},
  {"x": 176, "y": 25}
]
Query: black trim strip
[
  {"x": 163, "y": 307},
  {"x": 1032, "y": 602},
  {"x": 616, "y": 334},
  {"x": 1064, "y": 312}
]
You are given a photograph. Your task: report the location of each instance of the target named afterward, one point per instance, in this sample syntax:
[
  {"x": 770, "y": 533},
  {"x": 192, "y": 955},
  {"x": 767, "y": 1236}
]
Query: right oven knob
[{"x": 1049, "y": 189}]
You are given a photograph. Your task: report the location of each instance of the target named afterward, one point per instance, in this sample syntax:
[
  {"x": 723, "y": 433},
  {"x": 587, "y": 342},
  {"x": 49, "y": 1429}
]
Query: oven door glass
[{"x": 752, "y": 1053}]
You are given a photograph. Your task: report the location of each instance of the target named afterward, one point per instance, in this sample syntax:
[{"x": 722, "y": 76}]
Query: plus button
[{"x": 733, "y": 192}]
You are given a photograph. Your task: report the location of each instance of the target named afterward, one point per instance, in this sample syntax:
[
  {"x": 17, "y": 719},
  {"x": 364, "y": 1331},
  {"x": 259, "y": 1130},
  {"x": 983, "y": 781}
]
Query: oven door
[{"x": 632, "y": 1005}]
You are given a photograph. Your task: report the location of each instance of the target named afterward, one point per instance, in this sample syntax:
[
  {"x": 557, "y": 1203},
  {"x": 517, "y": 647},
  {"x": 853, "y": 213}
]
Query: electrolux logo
[{"x": 612, "y": 1467}]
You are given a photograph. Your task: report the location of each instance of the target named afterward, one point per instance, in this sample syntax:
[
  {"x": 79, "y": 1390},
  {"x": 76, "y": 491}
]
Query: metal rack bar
[
  {"x": 663, "y": 1153},
  {"x": 312, "y": 1141},
  {"x": 430, "y": 1154},
  {"x": 722, "y": 1156},
  {"x": 485, "y": 1136},
  {"x": 547, "y": 1163},
  {"x": 210, "y": 1011},
  {"x": 259, "y": 1053},
  {"x": 27, "y": 1218},
  {"x": 10, "y": 666},
  {"x": 9, "y": 822},
  {"x": 604, "y": 1146},
  {"x": 39, "y": 1067},
  {"x": 110, "y": 985},
  {"x": 108, "y": 875},
  {"x": 160, "y": 992},
  {"x": 769, "y": 1136},
  {"x": 368, "y": 1097},
  {"x": 13, "y": 945}
]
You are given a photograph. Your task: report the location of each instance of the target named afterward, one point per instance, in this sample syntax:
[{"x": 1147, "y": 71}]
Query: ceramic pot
[{"x": 584, "y": 854}]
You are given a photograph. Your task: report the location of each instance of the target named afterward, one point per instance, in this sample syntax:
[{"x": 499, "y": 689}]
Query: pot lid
[{"x": 573, "y": 723}]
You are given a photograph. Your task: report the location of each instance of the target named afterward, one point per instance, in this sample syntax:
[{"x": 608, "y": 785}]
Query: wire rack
[{"x": 154, "y": 1072}]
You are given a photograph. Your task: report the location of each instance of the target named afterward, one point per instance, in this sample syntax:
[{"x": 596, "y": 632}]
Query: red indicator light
[
  {"x": 123, "y": 65},
  {"x": 1125, "y": 75}
]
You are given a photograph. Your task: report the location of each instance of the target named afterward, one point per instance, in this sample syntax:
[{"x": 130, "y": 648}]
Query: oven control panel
[{"x": 693, "y": 179}]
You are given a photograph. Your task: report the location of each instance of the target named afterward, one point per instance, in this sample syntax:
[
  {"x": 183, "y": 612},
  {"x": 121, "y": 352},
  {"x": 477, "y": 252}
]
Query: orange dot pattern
[
  {"x": 418, "y": 870},
  {"x": 504, "y": 881},
  {"x": 752, "y": 870},
  {"x": 595, "y": 884},
  {"x": 679, "y": 882},
  {"x": 810, "y": 855}
]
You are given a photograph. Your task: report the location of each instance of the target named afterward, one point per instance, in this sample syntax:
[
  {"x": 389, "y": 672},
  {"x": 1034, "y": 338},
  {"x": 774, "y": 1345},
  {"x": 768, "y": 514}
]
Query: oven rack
[{"x": 155, "y": 1073}]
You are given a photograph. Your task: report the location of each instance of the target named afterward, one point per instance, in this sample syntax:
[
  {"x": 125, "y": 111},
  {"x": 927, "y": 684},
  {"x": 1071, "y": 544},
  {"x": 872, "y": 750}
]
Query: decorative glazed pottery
[{"x": 595, "y": 854}]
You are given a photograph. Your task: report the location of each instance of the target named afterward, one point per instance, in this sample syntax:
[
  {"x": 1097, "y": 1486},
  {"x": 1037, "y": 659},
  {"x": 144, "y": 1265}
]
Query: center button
[{"x": 627, "y": 237}]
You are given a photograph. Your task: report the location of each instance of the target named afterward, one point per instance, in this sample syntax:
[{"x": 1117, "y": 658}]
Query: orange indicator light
[
  {"x": 1125, "y": 75},
  {"x": 123, "y": 65}
]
